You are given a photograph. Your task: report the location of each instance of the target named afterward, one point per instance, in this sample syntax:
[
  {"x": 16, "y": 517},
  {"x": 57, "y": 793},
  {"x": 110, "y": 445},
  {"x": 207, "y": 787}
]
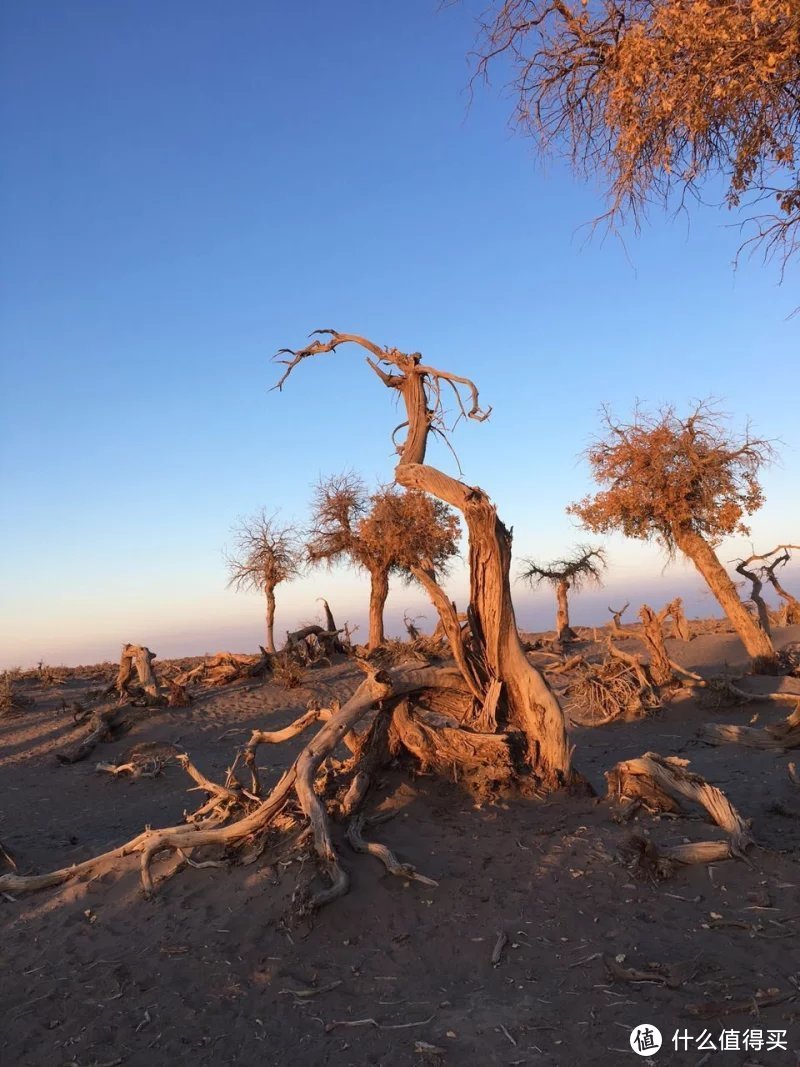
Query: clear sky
[{"x": 187, "y": 187}]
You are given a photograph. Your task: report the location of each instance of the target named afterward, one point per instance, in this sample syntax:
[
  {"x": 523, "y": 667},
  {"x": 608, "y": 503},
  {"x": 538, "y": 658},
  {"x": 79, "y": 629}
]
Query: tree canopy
[
  {"x": 657, "y": 96},
  {"x": 584, "y": 566},
  {"x": 390, "y": 530},
  {"x": 663, "y": 476},
  {"x": 266, "y": 552}
]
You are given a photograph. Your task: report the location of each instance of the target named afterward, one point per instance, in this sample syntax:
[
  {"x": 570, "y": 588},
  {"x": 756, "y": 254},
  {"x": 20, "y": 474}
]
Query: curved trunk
[
  {"x": 754, "y": 639},
  {"x": 564, "y": 631},
  {"x": 756, "y": 585},
  {"x": 792, "y": 603},
  {"x": 269, "y": 592},
  {"x": 653, "y": 636},
  {"x": 378, "y": 592},
  {"x": 523, "y": 699}
]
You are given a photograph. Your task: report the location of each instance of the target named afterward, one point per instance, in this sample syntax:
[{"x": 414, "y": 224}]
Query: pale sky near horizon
[{"x": 188, "y": 187}]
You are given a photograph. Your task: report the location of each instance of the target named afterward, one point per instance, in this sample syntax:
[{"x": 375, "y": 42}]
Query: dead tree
[
  {"x": 653, "y": 637},
  {"x": 491, "y": 723},
  {"x": 769, "y": 564},
  {"x": 505, "y": 690},
  {"x": 384, "y": 533},
  {"x": 756, "y": 585},
  {"x": 266, "y": 554},
  {"x": 686, "y": 483},
  {"x": 584, "y": 567},
  {"x": 140, "y": 658},
  {"x": 674, "y": 611},
  {"x": 616, "y": 621}
]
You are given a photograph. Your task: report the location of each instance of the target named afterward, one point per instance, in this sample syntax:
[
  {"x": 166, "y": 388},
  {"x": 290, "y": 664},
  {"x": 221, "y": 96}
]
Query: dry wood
[
  {"x": 381, "y": 852},
  {"x": 746, "y": 1005},
  {"x": 617, "y": 688},
  {"x": 661, "y": 784},
  {"x": 616, "y": 621},
  {"x": 756, "y": 585},
  {"x": 101, "y": 725},
  {"x": 674, "y": 610},
  {"x": 781, "y": 737},
  {"x": 528, "y": 705},
  {"x": 671, "y": 975},
  {"x": 778, "y": 557},
  {"x": 371, "y": 753},
  {"x": 653, "y": 637},
  {"x": 140, "y": 658}
]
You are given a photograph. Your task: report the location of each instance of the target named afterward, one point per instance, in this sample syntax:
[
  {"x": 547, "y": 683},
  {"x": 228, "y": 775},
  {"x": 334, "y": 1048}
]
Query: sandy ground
[{"x": 211, "y": 972}]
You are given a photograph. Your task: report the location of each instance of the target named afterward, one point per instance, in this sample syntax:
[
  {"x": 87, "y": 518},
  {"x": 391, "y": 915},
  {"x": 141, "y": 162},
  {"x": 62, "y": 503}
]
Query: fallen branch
[
  {"x": 662, "y": 784},
  {"x": 382, "y": 853},
  {"x": 781, "y": 737}
]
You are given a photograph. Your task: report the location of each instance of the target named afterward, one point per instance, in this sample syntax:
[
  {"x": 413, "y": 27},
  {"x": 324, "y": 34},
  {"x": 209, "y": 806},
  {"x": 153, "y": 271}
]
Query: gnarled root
[{"x": 233, "y": 817}]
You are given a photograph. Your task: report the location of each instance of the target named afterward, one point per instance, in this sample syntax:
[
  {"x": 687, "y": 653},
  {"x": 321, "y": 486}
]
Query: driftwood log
[
  {"x": 663, "y": 785},
  {"x": 781, "y": 737}
]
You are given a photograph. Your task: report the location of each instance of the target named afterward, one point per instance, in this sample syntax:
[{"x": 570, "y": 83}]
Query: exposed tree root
[
  {"x": 382, "y": 853},
  {"x": 661, "y": 784},
  {"x": 102, "y": 723},
  {"x": 237, "y": 818}
]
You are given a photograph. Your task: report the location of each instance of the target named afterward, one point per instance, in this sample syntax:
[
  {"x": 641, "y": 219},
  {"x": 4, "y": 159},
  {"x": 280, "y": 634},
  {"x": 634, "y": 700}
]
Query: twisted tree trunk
[
  {"x": 653, "y": 636},
  {"x": 756, "y": 585},
  {"x": 791, "y": 602},
  {"x": 496, "y": 653}
]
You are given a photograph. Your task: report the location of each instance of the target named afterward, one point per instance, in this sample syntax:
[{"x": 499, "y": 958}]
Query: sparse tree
[
  {"x": 266, "y": 552},
  {"x": 685, "y": 483},
  {"x": 384, "y": 533},
  {"x": 584, "y": 567},
  {"x": 762, "y": 568},
  {"x": 658, "y": 96}
]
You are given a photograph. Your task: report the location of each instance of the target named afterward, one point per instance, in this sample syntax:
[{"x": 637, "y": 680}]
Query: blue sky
[{"x": 188, "y": 187}]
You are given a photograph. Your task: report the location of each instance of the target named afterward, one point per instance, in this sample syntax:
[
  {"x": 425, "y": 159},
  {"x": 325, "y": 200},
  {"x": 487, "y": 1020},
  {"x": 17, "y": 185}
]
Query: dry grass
[{"x": 11, "y": 698}]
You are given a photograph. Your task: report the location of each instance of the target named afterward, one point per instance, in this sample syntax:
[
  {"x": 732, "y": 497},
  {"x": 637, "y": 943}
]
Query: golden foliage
[
  {"x": 659, "y": 94},
  {"x": 389, "y": 531},
  {"x": 666, "y": 476}
]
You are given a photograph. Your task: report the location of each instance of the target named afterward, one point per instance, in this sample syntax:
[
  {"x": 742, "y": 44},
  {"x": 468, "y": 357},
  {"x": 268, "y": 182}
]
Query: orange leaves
[
  {"x": 390, "y": 530},
  {"x": 661, "y": 475},
  {"x": 662, "y": 93}
]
